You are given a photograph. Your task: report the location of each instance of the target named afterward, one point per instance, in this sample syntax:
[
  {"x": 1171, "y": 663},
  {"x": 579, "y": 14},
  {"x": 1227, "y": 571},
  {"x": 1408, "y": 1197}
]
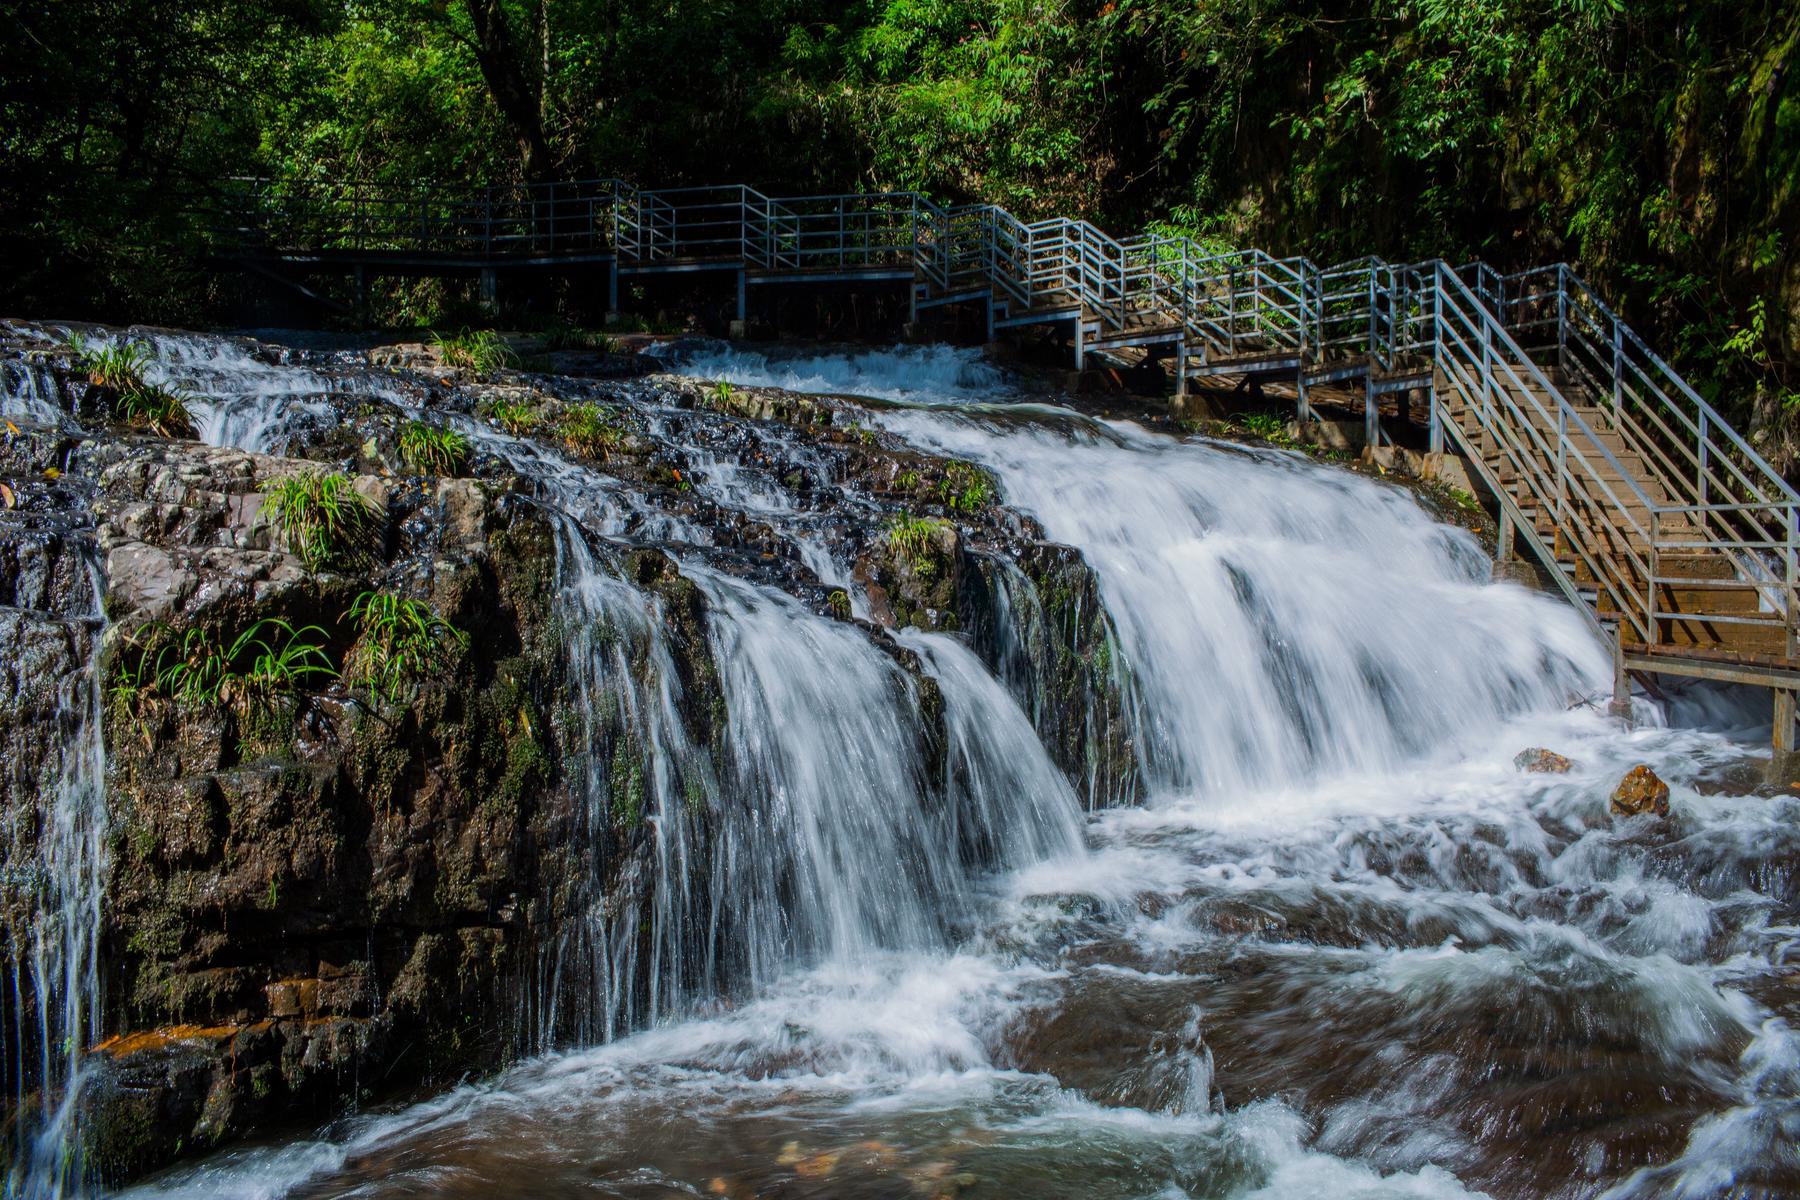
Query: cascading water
[
  {"x": 54, "y": 888},
  {"x": 1343, "y": 948},
  {"x": 1277, "y": 621}
]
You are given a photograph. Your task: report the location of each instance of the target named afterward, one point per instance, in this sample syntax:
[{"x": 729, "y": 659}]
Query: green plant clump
[
  {"x": 482, "y": 351},
  {"x": 323, "y": 518},
  {"x": 268, "y": 660},
  {"x": 515, "y": 416},
  {"x": 400, "y": 641},
  {"x": 119, "y": 368},
  {"x": 965, "y": 488},
  {"x": 589, "y": 430},
  {"x": 914, "y": 539},
  {"x": 161, "y": 410},
  {"x": 720, "y": 393},
  {"x": 433, "y": 449},
  {"x": 1266, "y": 426}
]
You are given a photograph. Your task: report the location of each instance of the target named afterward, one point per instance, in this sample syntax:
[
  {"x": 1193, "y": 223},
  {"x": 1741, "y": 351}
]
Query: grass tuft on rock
[
  {"x": 269, "y": 660},
  {"x": 432, "y": 449},
  {"x": 400, "y": 642},
  {"x": 914, "y": 540},
  {"x": 516, "y": 417},
  {"x": 323, "y": 518},
  {"x": 590, "y": 431},
  {"x": 482, "y": 350},
  {"x": 119, "y": 369}
]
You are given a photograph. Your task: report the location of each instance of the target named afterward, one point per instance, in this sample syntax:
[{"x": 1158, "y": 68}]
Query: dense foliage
[{"x": 1655, "y": 143}]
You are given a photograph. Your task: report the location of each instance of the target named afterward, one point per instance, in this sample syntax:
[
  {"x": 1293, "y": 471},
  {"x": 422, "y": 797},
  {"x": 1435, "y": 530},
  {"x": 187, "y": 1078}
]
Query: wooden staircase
[{"x": 1687, "y": 572}]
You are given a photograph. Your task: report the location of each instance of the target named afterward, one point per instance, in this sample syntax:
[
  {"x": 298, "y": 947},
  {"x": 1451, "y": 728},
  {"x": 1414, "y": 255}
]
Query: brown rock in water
[
  {"x": 1540, "y": 761},
  {"x": 1641, "y": 791}
]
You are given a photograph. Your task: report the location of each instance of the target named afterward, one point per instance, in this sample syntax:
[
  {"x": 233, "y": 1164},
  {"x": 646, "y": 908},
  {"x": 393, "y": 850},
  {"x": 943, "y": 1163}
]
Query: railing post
[
  {"x": 1231, "y": 310},
  {"x": 1654, "y": 632},
  {"x": 1373, "y": 352},
  {"x": 1562, "y": 316},
  {"x": 1562, "y": 467},
  {"x": 1702, "y": 460},
  {"x": 1792, "y": 520},
  {"x": 1434, "y": 406},
  {"x": 1487, "y": 368}
]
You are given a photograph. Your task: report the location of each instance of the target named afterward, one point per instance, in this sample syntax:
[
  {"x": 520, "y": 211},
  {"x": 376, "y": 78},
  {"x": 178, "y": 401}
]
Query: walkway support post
[
  {"x": 1621, "y": 699},
  {"x": 1782, "y": 765}
]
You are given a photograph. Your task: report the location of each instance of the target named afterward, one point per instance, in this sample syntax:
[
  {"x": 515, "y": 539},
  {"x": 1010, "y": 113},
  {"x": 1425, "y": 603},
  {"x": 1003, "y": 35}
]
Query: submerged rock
[
  {"x": 1539, "y": 761},
  {"x": 1641, "y": 791}
]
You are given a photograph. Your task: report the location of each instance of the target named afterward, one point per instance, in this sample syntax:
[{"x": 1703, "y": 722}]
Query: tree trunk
[{"x": 509, "y": 82}]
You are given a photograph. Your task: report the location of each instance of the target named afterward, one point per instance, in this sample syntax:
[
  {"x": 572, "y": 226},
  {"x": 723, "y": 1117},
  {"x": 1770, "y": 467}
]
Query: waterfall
[
  {"x": 53, "y": 985},
  {"x": 1278, "y": 621},
  {"x": 848, "y": 930}
]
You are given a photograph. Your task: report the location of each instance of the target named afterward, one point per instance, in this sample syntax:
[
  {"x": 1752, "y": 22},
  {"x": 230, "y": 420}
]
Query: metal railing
[
  {"x": 488, "y": 222},
  {"x": 1575, "y": 418}
]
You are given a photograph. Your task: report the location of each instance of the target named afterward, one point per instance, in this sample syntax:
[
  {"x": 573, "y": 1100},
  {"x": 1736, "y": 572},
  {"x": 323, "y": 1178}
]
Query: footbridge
[{"x": 1654, "y": 517}]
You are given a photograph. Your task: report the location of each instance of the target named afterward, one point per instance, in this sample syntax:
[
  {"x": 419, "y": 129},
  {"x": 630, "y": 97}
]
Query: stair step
[{"x": 1698, "y": 631}]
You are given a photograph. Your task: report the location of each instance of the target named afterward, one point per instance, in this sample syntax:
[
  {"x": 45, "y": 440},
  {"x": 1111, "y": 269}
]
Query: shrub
[
  {"x": 117, "y": 367},
  {"x": 561, "y": 335},
  {"x": 432, "y": 449},
  {"x": 481, "y": 351},
  {"x": 399, "y": 642},
  {"x": 720, "y": 393},
  {"x": 322, "y": 517},
  {"x": 589, "y": 430}
]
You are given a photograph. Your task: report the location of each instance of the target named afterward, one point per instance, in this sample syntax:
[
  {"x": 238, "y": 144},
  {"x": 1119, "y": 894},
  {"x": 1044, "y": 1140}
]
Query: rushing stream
[{"x": 1344, "y": 949}]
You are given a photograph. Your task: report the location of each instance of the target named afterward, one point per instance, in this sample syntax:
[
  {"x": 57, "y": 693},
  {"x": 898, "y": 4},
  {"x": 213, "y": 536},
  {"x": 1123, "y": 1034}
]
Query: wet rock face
[
  {"x": 1640, "y": 791},
  {"x": 305, "y": 888},
  {"x": 317, "y": 895}
]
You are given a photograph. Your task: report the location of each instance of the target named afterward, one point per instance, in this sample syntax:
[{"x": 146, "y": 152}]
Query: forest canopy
[{"x": 1655, "y": 144}]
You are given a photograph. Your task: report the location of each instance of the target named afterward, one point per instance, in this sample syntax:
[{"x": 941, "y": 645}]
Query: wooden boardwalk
[{"x": 1655, "y": 518}]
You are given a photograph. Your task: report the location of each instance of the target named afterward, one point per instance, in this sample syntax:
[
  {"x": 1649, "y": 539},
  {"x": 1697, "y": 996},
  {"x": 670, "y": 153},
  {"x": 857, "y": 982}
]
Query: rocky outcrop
[{"x": 314, "y": 891}]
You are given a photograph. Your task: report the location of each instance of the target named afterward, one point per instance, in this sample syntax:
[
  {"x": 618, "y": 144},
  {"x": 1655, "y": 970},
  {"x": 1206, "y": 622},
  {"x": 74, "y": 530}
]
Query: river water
[{"x": 1344, "y": 948}]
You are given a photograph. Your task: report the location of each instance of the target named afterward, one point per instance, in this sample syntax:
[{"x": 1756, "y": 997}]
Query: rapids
[{"x": 1343, "y": 949}]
